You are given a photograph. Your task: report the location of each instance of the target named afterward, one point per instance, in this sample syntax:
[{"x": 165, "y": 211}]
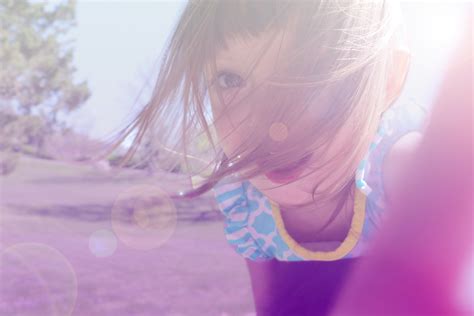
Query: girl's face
[{"x": 232, "y": 65}]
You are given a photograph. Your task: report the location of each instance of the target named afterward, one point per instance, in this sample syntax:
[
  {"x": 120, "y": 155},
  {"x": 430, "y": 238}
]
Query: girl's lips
[{"x": 285, "y": 175}]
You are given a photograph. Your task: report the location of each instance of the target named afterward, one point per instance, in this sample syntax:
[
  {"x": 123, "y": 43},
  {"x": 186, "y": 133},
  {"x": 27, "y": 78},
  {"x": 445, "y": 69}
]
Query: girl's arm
[
  {"x": 395, "y": 163},
  {"x": 422, "y": 250}
]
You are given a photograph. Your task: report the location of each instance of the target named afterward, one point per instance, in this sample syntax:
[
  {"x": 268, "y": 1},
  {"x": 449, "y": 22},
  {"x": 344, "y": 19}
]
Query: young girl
[{"x": 294, "y": 100}]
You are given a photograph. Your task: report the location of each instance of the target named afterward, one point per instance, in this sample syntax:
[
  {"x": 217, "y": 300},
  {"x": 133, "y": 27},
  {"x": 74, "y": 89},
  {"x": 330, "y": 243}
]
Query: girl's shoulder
[
  {"x": 399, "y": 131},
  {"x": 396, "y": 162},
  {"x": 241, "y": 204}
]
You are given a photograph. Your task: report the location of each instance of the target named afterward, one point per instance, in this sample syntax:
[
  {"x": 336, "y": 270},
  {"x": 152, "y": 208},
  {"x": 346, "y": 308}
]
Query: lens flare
[
  {"x": 144, "y": 217},
  {"x": 36, "y": 280},
  {"x": 278, "y": 132},
  {"x": 102, "y": 243}
]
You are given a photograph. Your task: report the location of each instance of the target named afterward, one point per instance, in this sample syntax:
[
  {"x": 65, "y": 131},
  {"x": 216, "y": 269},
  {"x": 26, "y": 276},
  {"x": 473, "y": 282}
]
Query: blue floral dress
[{"x": 253, "y": 223}]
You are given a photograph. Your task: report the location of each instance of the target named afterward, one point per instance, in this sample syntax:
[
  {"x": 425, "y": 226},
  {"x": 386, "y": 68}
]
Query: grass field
[{"x": 62, "y": 254}]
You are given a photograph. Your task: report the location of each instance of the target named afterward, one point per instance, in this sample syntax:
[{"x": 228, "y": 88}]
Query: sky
[{"x": 118, "y": 44}]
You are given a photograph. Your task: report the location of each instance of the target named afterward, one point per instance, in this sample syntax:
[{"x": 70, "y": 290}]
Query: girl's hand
[{"x": 417, "y": 263}]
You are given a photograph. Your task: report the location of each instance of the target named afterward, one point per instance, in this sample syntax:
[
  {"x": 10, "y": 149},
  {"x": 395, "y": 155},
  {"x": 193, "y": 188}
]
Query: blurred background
[{"x": 84, "y": 239}]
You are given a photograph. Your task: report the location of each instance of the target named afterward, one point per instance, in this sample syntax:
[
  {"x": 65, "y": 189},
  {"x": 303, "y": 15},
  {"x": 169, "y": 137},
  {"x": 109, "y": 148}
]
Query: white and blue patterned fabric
[{"x": 251, "y": 227}]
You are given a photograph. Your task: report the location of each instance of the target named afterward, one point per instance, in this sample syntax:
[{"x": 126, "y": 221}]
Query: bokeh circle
[
  {"x": 278, "y": 132},
  {"x": 144, "y": 217},
  {"x": 102, "y": 243},
  {"x": 36, "y": 279}
]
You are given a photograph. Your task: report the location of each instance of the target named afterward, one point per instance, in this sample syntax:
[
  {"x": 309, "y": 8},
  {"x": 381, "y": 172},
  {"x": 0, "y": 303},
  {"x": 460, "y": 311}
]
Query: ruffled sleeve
[
  {"x": 231, "y": 197},
  {"x": 395, "y": 123}
]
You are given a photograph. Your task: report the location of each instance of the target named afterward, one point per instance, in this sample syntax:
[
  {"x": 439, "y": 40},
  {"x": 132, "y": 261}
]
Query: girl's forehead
[{"x": 248, "y": 54}]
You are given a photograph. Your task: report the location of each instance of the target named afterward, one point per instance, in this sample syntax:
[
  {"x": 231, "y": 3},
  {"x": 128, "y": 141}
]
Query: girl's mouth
[{"x": 290, "y": 172}]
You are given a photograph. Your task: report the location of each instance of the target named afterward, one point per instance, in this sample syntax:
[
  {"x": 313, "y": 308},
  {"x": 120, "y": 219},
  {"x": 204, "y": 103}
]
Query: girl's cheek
[
  {"x": 228, "y": 137},
  {"x": 227, "y": 97},
  {"x": 233, "y": 122}
]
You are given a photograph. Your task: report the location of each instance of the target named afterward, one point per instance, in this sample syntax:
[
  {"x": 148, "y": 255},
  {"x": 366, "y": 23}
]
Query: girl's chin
[{"x": 288, "y": 194}]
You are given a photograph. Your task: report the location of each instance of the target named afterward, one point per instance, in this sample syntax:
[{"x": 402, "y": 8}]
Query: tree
[{"x": 36, "y": 67}]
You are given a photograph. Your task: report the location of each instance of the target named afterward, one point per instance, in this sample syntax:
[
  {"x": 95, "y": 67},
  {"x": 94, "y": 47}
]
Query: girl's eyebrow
[
  {"x": 227, "y": 58},
  {"x": 230, "y": 65},
  {"x": 236, "y": 54}
]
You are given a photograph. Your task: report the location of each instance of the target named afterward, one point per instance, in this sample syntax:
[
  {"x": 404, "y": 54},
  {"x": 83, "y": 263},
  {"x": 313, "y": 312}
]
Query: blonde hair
[{"x": 339, "y": 60}]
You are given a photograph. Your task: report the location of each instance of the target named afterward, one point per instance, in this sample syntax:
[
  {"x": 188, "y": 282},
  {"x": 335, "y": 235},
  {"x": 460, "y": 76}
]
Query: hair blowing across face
[{"x": 338, "y": 59}]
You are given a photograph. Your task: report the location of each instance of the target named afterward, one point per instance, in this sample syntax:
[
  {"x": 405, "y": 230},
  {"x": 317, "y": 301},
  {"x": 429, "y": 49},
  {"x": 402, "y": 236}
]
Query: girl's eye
[{"x": 229, "y": 80}]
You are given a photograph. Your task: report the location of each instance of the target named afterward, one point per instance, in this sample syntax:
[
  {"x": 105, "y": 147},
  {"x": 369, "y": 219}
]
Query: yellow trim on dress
[{"x": 344, "y": 248}]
